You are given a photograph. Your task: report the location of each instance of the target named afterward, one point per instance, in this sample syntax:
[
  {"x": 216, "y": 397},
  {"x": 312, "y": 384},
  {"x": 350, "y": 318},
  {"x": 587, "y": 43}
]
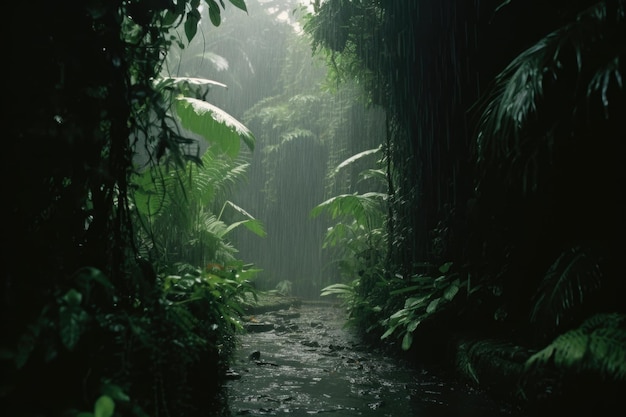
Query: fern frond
[
  {"x": 294, "y": 134},
  {"x": 591, "y": 348},
  {"x": 607, "y": 353},
  {"x": 538, "y": 102}
]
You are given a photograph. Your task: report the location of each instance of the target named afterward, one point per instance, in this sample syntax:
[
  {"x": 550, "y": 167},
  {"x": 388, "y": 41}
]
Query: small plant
[
  {"x": 283, "y": 287},
  {"x": 426, "y": 295}
]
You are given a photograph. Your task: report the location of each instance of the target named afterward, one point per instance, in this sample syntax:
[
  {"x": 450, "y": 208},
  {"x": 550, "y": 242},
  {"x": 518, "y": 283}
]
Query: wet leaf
[
  {"x": 407, "y": 341},
  {"x": 388, "y": 332},
  {"x": 70, "y": 323},
  {"x": 104, "y": 407},
  {"x": 450, "y": 292},
  {"x": 191, "y": 24},
  {"x": 214, "y": 124},
  {"x": 413, "y": 325},
  {"x": 214, "y": 13},
  {"x": 432, "y": 306},
  {"x": 445, "y": 267},
  {"x": 73, "y": 298}
]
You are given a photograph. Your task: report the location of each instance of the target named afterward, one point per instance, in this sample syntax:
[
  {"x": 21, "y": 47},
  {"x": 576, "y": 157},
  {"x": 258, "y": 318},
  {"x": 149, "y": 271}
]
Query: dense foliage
[
  {"x": 105, "y": 311},
  {"x": 505, "y": 187}
]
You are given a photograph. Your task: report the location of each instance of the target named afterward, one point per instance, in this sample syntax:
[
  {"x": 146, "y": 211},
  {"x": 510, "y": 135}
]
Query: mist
[{"x": 305, "y": 125}]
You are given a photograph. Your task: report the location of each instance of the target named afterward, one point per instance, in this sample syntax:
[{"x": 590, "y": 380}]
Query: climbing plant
[{"x": 92, "y": 329}]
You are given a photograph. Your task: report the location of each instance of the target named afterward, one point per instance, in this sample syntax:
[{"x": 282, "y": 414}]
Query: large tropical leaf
[
  {"x": 355, "y": 158},
  {"x": 362, "y": 207},
  {"x": 254, "y": 225},
  {"x": 214, "y": 124}
]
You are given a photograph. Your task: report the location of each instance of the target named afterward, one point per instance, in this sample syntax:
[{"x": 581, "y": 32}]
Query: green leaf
[
  {"x": 388, "y": 333},
  {"x": 405, "y": 290},
  {"x": 169, "y": 18},
  {"x": 414, "y": 302},
  {"x": 73, "y": 298},
  {"x": 413, "y": 325},
  {"x": 407, "y": 341},
  {"x": 337, "y": 289},
  {"x": 104, "y": 406},
  {"x": 400, "y": 313},
  {"x": 254, "y": 225},
  {"x": 445, "y": 267},
  {"x": 70, "y": 326},
  {"x": 450, "y": 292},
  {"x": 238, "y": 209},
  {"x": 361, "y": 207},
  {"x": 432, "y": 306},
  {"x": 191, "y": 24},
  {"x": 240, "y": 4},
  {"x": 214, "y": 13},
  {"x": 355, "y": 158},
  {"x": 214, "y": 124}
]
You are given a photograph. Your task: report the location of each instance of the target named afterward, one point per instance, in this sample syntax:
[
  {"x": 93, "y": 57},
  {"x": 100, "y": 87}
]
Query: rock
[
  {"x": 286, "y": 315},
  {"x": 258, "y": 327},
  {"x": 265, "y": 363}
]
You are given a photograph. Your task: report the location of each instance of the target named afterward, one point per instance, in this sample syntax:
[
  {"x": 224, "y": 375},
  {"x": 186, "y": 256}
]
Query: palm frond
[
  {"x": 355, "y": 158},
  {"x": 546, "y": 95},
  {"x": 571, "y": 279}
]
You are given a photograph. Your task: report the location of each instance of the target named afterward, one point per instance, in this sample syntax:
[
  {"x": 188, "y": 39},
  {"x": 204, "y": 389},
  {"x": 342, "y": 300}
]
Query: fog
[{"x": 304, "y": 124}]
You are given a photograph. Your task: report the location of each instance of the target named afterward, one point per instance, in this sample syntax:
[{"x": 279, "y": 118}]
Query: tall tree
[{"x": 81, "y": 328}]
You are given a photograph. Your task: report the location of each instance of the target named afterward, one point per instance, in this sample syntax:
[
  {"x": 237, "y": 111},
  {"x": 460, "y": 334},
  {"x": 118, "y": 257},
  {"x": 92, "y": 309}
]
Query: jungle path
[{"x": 301, "y": 360}]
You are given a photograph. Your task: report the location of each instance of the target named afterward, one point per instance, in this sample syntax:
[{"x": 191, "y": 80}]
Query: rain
[{"x": 295, "y": 207}]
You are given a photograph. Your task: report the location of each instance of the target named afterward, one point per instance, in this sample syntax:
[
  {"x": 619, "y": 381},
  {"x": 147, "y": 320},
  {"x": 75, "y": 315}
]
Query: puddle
[{"x": 303, "y": 362}]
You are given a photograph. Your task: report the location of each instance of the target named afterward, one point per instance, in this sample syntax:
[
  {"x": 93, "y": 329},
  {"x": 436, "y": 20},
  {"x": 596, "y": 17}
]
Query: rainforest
[{"x": 444, "y": 180}]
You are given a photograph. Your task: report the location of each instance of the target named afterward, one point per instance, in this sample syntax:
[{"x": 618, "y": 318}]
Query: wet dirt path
[{"x": 303, "y": 361}]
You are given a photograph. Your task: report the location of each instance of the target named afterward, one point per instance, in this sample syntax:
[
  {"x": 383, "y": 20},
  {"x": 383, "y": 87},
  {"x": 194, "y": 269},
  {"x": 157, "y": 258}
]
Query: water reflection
[{"x": 310, "y": 364}]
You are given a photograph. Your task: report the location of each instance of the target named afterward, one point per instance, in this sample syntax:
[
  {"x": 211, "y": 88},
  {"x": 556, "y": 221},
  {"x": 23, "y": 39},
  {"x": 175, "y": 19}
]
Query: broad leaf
[
  {"x": 407, "y": 341},
  {"x": 450, "y": 292},
  {"x": 191, "y": 24},
  {"x": 213, "y": 124},
  {"x": 214, "y": 13},
  {"x": 254, "y": 225},
  {"x": 355, "y": 158},
  {"x": 433, "y": 305},
  {"x": 104, "y": 407},
  {"x": 70, "y": 325}
]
